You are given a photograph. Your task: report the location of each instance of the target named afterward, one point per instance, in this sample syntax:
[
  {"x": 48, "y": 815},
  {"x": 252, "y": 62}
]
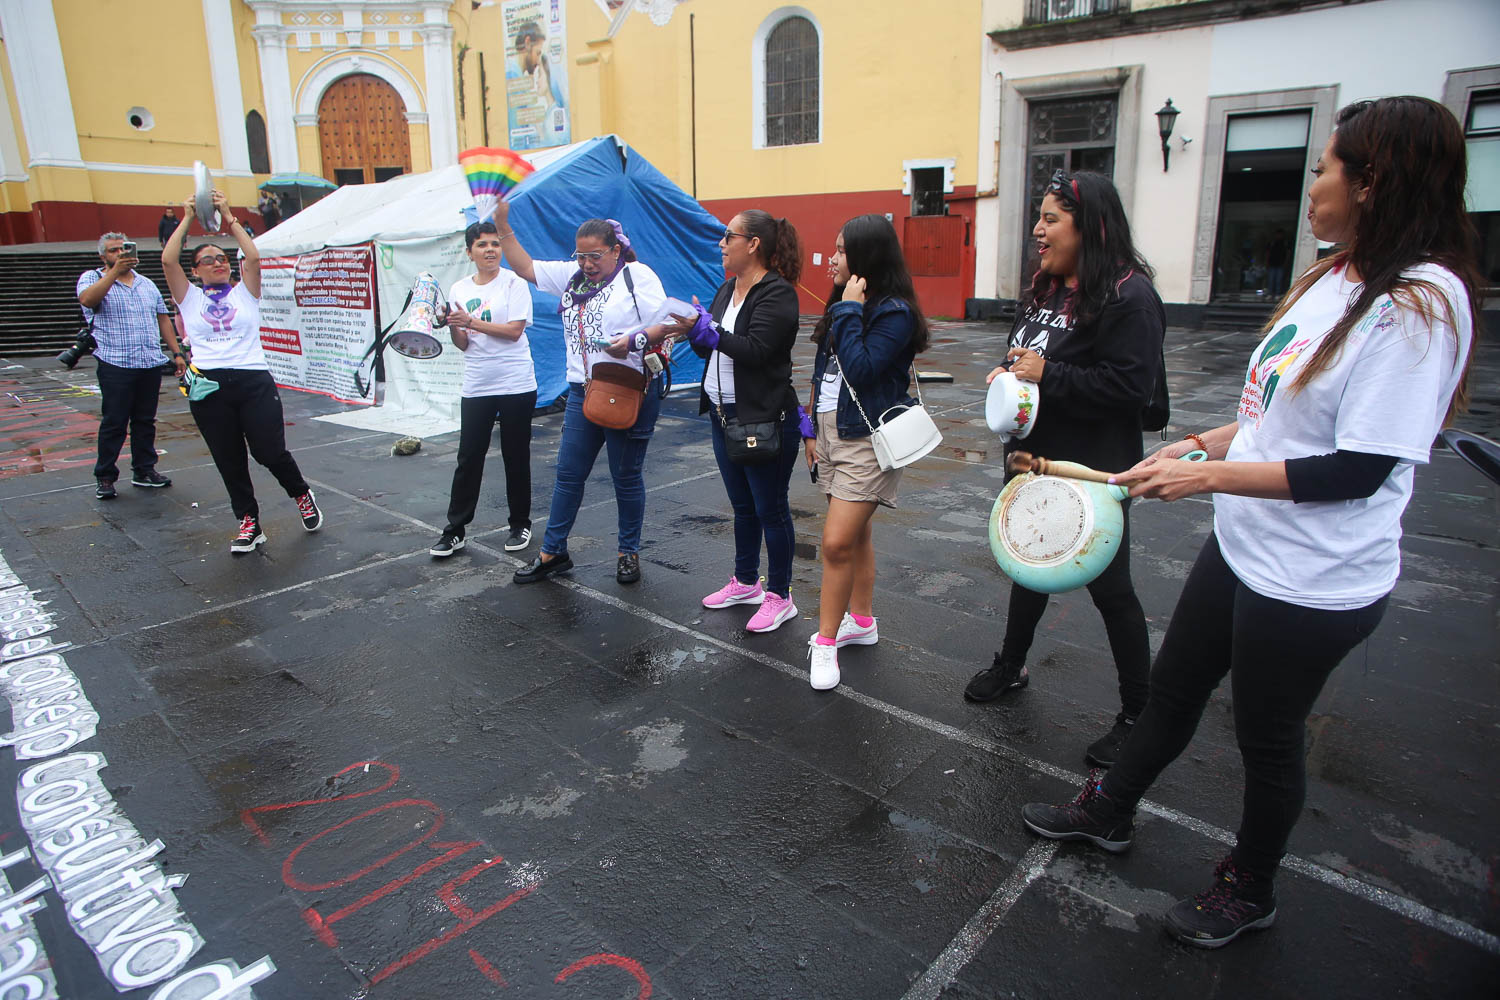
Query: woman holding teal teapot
[
  {"x": 1362, "y": 363},
  {"x": 1090, "y": 335}
]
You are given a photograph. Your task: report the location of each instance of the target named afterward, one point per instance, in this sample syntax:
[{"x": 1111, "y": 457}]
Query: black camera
[{"x": 85, "y": 344}]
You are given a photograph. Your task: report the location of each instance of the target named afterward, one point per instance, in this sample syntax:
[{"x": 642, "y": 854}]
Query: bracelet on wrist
[
  {"x": 508, "y": 232},
  {"x": 1197, "y": 441}
]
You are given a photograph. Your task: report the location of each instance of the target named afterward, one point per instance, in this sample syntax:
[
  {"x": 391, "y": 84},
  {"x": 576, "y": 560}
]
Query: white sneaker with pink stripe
[{"x": 851, "y": 633}]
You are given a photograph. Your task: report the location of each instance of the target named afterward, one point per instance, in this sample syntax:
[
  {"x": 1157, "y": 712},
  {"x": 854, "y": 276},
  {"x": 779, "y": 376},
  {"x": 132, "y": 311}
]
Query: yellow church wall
[
  {"x": 887, "y": 96},
  {"x": 157, "y": 62}
]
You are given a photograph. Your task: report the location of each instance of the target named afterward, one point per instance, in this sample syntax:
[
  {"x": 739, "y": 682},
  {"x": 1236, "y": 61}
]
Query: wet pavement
[{"x": 401, "y": 777}]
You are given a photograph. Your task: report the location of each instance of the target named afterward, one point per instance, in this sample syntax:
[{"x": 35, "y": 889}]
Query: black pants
[
  {"x": 127, "y": 398},
  {"x": 246, "y": 411},
  {"x": 477, "y": 416},
  {"x": 1278, "y": 656},
  {"x": 1124, "y": 623}
]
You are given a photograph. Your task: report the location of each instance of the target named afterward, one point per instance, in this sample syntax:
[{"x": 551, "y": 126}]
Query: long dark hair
[
  {"x": 780, "y": 246},
  {"x": 1409, "y": 153},
  {"x": 1106, "y": 252},
  {"x": 604, "y": 231},
  {"x": 874, "y": 254}
]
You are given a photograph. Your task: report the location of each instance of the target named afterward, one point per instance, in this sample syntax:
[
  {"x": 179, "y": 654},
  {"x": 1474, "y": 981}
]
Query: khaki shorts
[{"x": 847, "y": 468}]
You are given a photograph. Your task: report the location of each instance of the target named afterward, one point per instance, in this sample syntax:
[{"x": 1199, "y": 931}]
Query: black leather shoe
[
  {"x": 628, "y": 569},
  {"x": 537, "y": 571}
]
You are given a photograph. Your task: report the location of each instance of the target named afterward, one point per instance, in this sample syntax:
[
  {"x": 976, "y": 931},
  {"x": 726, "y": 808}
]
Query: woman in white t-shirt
[
  {"x": 488, "y": 313},
  {"x": 222, "y": 323},
  {"x": 607, "y": 296},
  {"x": 1363, "y": 362}
]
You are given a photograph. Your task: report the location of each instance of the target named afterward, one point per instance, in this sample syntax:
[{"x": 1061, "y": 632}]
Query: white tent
[{"x": 409, "y": 207}]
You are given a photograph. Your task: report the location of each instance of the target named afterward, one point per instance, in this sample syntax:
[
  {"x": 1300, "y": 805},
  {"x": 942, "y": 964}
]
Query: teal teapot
[{"x": 1057, "y": 526}]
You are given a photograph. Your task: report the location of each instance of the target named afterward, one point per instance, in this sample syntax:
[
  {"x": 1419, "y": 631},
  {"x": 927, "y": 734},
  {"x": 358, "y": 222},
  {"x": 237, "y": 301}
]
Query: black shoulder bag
[{"x": 748, "y": 444}]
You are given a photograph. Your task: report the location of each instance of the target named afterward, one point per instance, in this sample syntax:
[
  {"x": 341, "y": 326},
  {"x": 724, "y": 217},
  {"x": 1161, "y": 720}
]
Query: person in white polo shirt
[{"x": 488, "y": 313}]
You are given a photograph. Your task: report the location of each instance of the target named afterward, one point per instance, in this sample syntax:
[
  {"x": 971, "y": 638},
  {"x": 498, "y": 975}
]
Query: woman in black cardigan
[{"x": 747, "y": 335}]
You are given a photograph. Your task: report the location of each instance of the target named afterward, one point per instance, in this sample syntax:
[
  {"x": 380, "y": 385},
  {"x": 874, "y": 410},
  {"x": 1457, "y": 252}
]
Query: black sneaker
[
  {"x": 996, "y": 679},
  {"x": 518, "y": 540},
  {"x": 1092, "y": 816},
  {"x": 150, "y": 478},
  {"x": 312, "y": 517},
  {"x": 1104, "y": 751},
  {"x": 537, "y": 571},
  {"x": 1237, "y": 902},
  {"x": 105, "y": 490},
  {"x": 447, "y": 545},
  {"x": 628, "y": 568},
  {"x": 249, "y": 535}
]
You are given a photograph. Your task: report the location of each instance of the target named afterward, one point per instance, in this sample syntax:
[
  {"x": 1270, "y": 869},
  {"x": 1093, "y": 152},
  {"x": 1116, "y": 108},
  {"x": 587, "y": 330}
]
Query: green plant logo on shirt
[
  {"x": 1274, "y": 359},
  {"x": 473, "y": 304}
]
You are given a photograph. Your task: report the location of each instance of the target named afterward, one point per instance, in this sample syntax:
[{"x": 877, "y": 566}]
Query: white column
[
  {"x": 224, "y": 70},
  {"x": 41, "y": 80},
  {"x": 12, "y": 168},
  {"x": 442, "y": 112},
  {"x": 276, "y": 86}
]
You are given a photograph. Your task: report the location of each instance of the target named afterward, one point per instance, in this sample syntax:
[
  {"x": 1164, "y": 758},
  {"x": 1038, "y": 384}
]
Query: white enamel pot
[{"x": 1011, "y": 406}]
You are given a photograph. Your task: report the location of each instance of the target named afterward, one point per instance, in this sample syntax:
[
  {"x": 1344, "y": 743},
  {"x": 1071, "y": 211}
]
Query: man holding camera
[{"x": 129, "y": 319}]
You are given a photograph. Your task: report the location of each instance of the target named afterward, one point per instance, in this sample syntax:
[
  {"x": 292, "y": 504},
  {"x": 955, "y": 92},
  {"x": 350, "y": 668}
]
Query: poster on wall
[
  {"x": 536, "y": 74},
  {"x": 317, "y": 318}
]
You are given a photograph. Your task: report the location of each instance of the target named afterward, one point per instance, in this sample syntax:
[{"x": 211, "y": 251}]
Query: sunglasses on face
[
  {"x": 730, "y": 234},
  {"x": 217, "y": 258},
  {"x": 592, "y": 256}
]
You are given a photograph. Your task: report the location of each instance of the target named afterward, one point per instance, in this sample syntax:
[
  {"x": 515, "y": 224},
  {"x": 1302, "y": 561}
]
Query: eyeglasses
[
  {"x": 592, "y": 256},
  {"x": 216, "y": 258},
  {"x": 1062, "y": 180},
  {"x": 730, "y": 234}
]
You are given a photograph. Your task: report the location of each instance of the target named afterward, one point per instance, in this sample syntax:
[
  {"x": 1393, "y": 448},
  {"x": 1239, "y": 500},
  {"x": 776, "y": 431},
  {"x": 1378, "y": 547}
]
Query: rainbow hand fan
[{"x": 492, "y": 174}]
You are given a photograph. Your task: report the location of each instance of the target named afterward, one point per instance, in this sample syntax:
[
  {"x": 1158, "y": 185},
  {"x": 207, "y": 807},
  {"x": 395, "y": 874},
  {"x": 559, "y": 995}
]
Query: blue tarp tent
[{"x": 669, "y": 231}]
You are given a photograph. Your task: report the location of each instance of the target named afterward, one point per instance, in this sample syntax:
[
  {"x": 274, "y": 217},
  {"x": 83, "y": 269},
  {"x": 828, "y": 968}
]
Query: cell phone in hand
[
  {"x": 127, "y": 249},
  {"x": 813, "y": 472}
]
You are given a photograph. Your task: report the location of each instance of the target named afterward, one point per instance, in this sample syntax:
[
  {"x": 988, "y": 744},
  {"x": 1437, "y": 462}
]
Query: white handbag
[{"x": 901, "y": 439}]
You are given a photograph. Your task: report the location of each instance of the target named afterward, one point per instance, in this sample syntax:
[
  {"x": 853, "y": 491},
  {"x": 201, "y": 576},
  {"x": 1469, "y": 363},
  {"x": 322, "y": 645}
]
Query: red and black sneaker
[
  {"x": 1237, "y": 902},
  {"x": 249, "y": 536},
  {"x": 1092, "y": 816},
  {"x": 312, "y": 517}
]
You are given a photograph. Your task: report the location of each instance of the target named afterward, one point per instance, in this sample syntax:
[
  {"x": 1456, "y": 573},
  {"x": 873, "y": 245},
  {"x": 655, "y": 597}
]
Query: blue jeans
[
  {"x": 581, "y": 441},
  {"x": 758, "y": 494}
]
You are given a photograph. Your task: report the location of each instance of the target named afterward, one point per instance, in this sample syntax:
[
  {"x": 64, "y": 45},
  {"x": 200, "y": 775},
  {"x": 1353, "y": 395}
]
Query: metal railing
[{"x": 1050, "y": 11}]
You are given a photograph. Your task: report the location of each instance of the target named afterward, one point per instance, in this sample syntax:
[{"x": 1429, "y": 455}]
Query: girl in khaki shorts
[{"x": 867, "y": 338}]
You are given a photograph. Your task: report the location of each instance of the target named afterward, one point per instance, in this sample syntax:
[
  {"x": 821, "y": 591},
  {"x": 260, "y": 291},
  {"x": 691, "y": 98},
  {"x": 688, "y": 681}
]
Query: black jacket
[
  {"x": 1097, "y": 377},
  {"x": 760, "y": 346}
]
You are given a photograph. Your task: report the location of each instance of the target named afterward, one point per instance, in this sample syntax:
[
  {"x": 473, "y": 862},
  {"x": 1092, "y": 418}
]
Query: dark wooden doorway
[{"x": 362, "y": 131}]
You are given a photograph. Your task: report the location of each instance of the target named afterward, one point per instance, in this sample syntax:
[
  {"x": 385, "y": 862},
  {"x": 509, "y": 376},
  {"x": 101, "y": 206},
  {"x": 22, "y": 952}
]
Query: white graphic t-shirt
[
  {"x": 718, "y": 374},
  {"x": 494, "y": 366},
  {"x": 1386, "y": 394},
  {"x": 608, "y": 314},
  {"x": 224, "y": 331}
]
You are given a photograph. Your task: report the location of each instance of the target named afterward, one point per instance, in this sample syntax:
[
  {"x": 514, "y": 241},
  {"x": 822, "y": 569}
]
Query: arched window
[
  {"x": 255, "y": 135},
  {"x": 789, "y": 85}
]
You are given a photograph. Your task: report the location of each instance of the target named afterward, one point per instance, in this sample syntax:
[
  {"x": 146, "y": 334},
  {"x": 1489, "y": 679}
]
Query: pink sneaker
[
  {"x": 774, "y": 610},
  {"x": 735, "y": 592}
]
